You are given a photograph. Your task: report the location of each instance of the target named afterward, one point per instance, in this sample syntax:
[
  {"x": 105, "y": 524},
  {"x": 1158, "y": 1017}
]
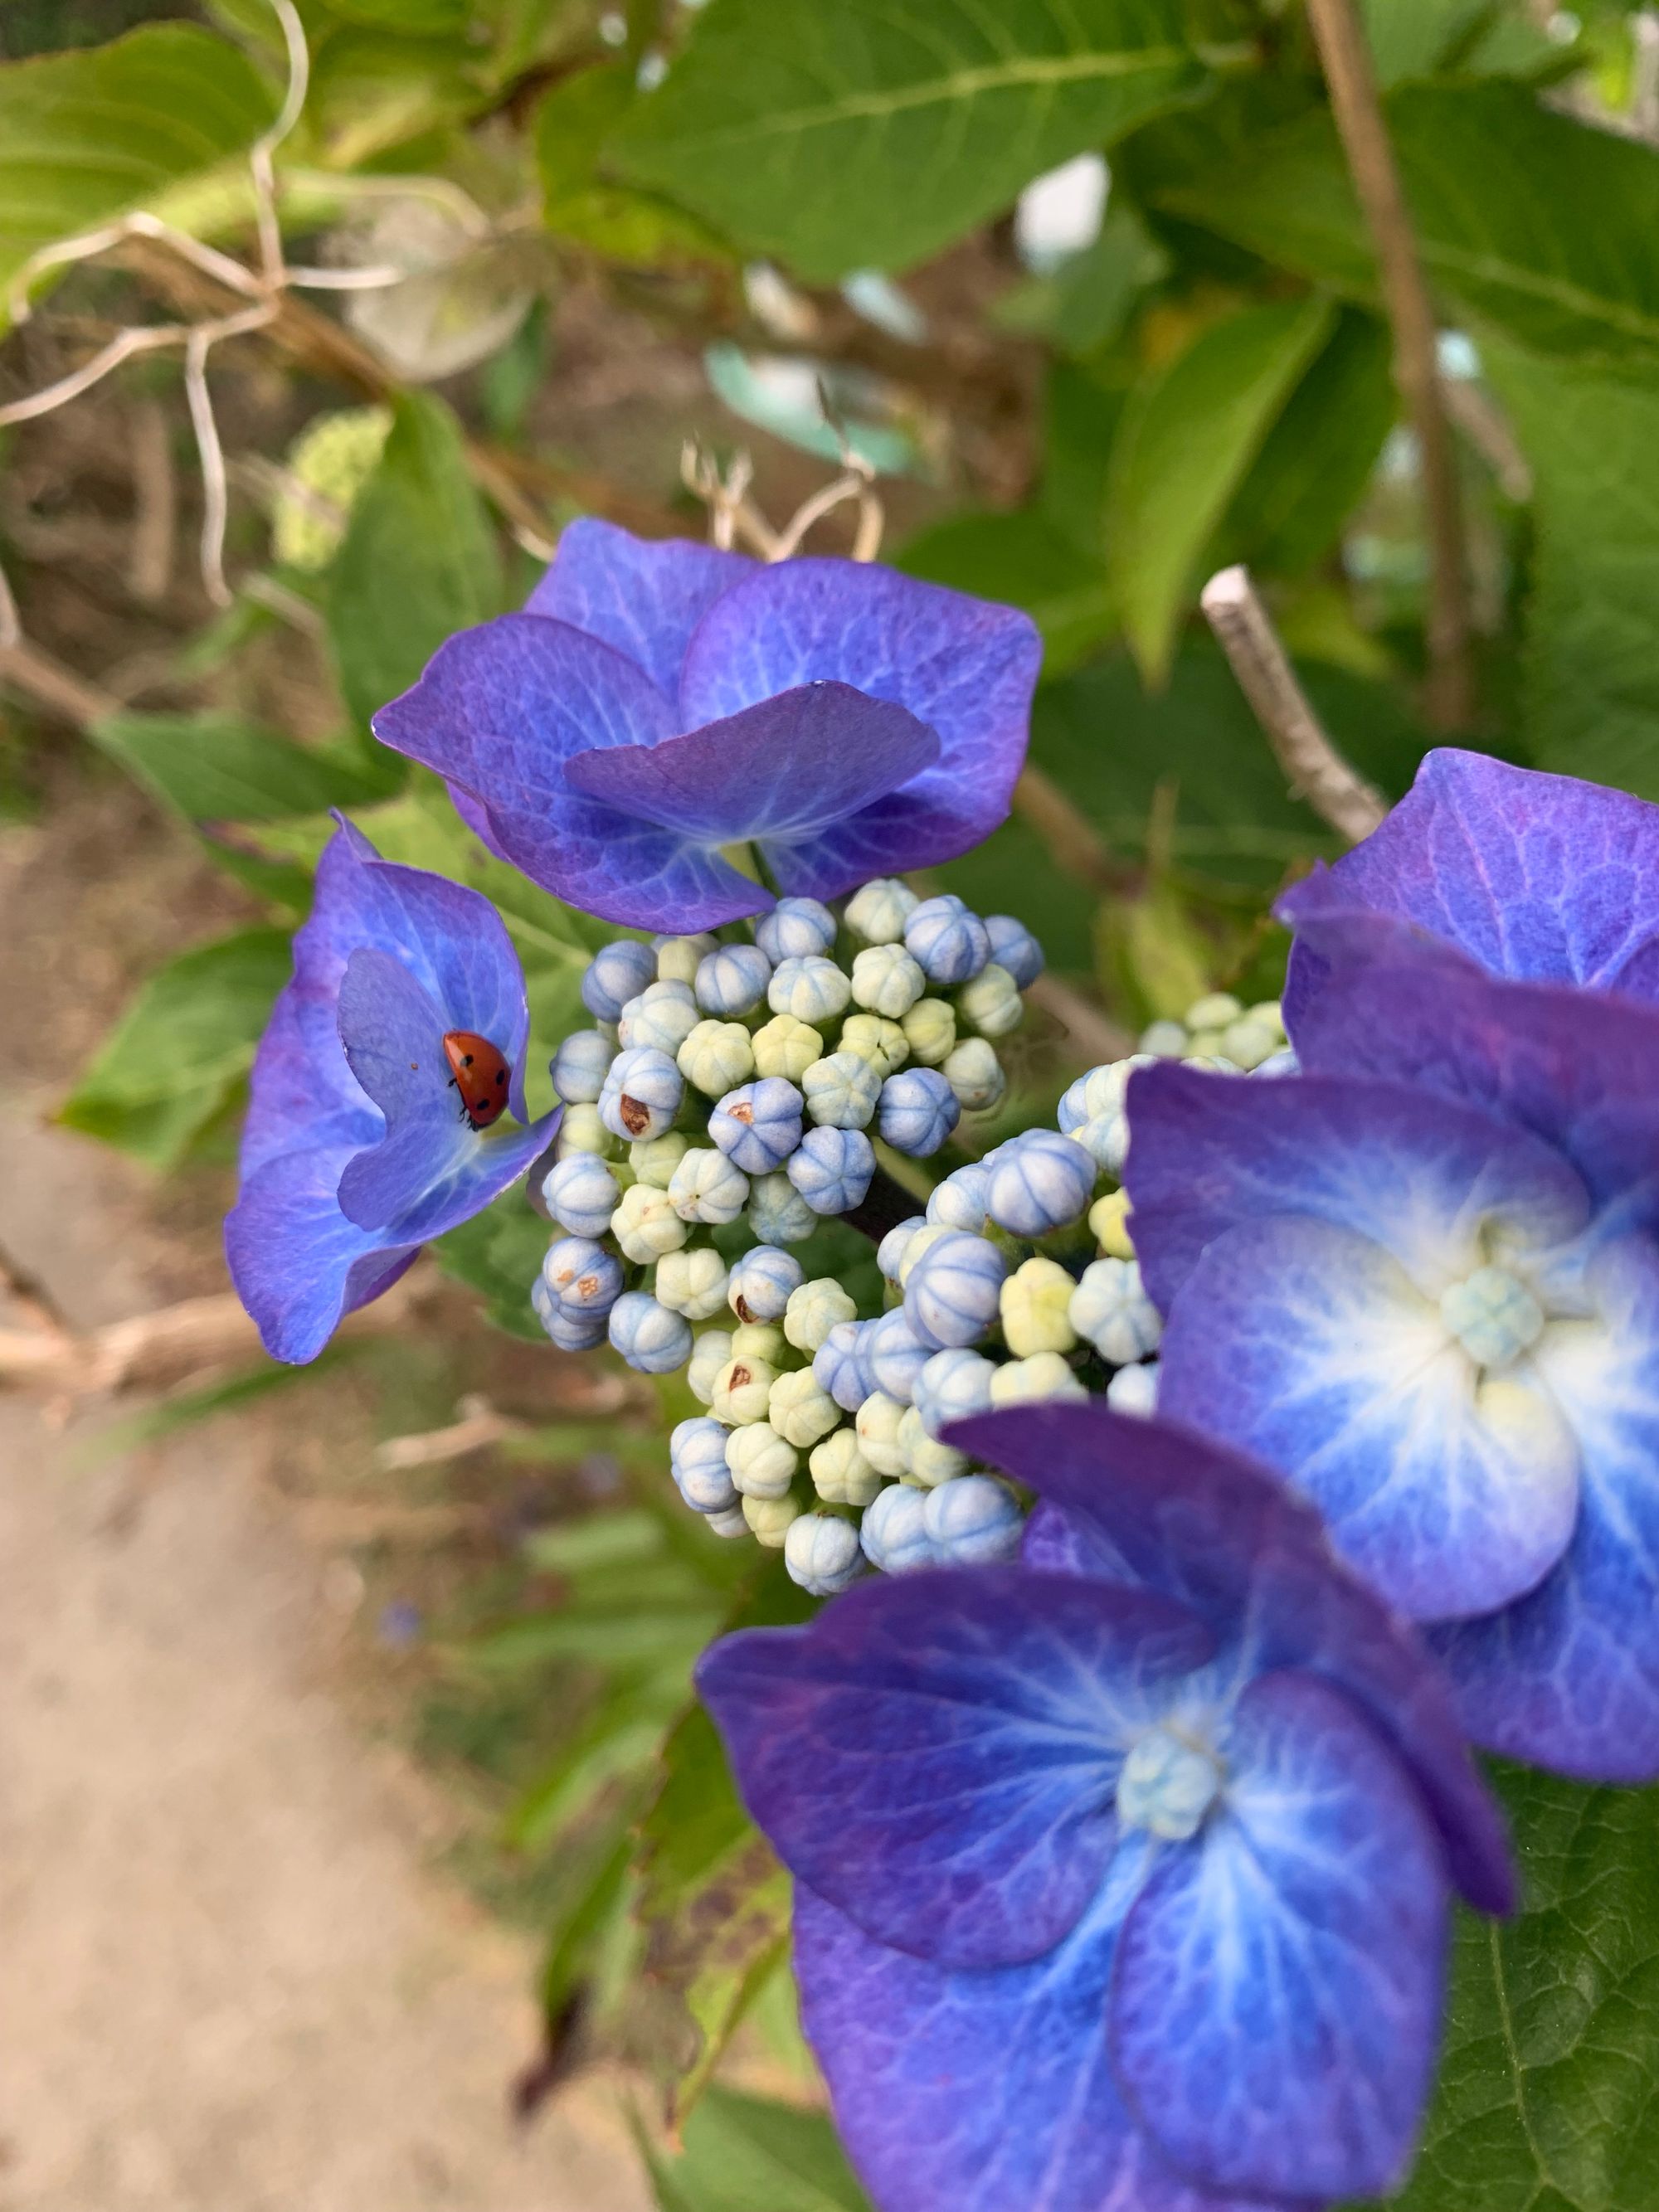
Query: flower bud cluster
[{"x": 736, "y": 1087}]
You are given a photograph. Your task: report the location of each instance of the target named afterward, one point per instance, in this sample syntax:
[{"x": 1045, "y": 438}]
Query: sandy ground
[{"x": 232, "y": 1982}]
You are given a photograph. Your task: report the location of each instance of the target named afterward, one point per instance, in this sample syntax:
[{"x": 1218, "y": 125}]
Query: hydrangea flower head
[
  {"x": 655, "y": 703},
  {"x": 356, "y": 1149},
  {"x": 1543, "y": 878},
  {"x": 1422, "y": 1279},
  {"x": 1121, "y": 1874}
]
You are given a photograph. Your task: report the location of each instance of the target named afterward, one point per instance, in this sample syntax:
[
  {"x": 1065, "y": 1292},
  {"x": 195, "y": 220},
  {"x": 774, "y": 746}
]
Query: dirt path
[{"x": 231, "y": 1982}]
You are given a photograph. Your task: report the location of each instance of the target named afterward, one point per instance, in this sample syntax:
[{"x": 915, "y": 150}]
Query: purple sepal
[{"x": 644, "y": 596}]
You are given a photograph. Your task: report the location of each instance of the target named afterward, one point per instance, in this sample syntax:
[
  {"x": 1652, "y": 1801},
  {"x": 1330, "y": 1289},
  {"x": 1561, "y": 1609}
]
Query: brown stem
[
  {"x": 1358, "y": 109},
  {"x": 885, "y": 1204},
  {"x": 1313, "y": 767},
  {"x": 1068, "y": 834}
]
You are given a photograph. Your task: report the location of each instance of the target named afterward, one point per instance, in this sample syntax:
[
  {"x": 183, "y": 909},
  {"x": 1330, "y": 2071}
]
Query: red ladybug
[{"x": 479, "y": 1074}]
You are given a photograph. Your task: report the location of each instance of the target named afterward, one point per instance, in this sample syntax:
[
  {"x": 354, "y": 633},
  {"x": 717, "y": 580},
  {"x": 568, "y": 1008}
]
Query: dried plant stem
[
  {"x": 1312, "y": 765},
  {"x": 1358, "y": 109},
  {"x": 1071, "y": 837},
  {"x": 46, "y": 682}
]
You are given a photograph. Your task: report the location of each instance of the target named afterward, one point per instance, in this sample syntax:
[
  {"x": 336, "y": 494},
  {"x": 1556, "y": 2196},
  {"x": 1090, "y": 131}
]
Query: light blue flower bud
[
  {"x": 648, "y": 1335},
  {"x": 580, "y": 1066},
  {"x": 1279, "y": 1063},
  {"x": 1134, "y": 1390},
  {"x": 581, "y": 1193},
  {"x": 890, "y": 1253},
  {"x": 795, "y": 928},
  {"x": 1013, "y": 947},
  {"x": 838, "y": 1366},
  {"x": 778, "y": 1214},
  {"x": 833, "y": 1168},
  {"x": 572, "y": 1332},
  {"x": 697, "y": 1460},
  {"x": 894, "y": 1531},
  {"x": 641, "y": 1095},
  {"x": 887, "y": 980},
  {"x": 757, "y": 1125},
  {"x": 974, "y": 1074},
  {"x": 762, "y": 1282},
  {"x": 733, "y": 979},
  {"x": 924, "y": 1240},
  {"x": 581, "y": 1276},
  {"x": 734, "y": 1524},
  {"x": 953, "y": 1386},
  {"x": 959, "y": 1202},
  {"x": 1111, "y": 1310},
  {"x": 810, "y": 989},
  {"x": 948, "y": 941},
  {"x": 918, "y": 1111},
  {"x": 822, "y": 1553},
  {"x": 950, "y": 1294},
  {"x": 663, "y": 1016},
  {"x": 1039, "y": 1182},
  {"x": 1093, "y": 1110},
  {"x": 616, "y": 974},
  {"x": 842, "y": 1091},
  {"x": 973, "y": 1522},
  {"x": 878, "y": 912},
  {"x": 896, "y": 1355},
  {"x": 707, "y": 1187}
]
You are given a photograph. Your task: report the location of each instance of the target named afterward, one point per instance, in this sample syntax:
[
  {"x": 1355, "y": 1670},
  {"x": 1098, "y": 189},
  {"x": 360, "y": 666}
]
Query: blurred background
[{"x": 360, "y": 1850}]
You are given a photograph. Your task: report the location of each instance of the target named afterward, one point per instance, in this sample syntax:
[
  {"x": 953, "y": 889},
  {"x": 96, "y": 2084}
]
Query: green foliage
[
  {"x": 418, "y": 561},
  {"x": 497, "y": 1255},
  {"x": 872, "y": 133},
  {"x": 1189, "y": 433},
  {"x": 749, "y": 2154},
  {"x": 176, "y": 1054},
  {"x": 1546, "y": 2101},
  {"x": 214, "y": 768},
  {"x": 92, "y": 134}
]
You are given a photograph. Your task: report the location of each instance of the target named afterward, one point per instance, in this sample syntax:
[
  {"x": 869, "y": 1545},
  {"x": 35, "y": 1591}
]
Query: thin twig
[
  {"x": 48, "y": 683},
  {"x": 1316, "y": 772},
  {"x": 154, "y": 504},
  {"x": 1071, "y": 837},
  {"x": 1358, "y": 109}
]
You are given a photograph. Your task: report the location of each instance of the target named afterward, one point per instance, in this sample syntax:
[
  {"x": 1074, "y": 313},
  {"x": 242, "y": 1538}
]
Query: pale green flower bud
[
  {"x": 920, "y": 1239},
  {"x": 990, "y": 1002},
  {"x": 706, "y": 1187},
  {"x": 1036, "y": 1306},
  {"x": 1025, "y": 1382},
  {"x": 930, "y": 1030},
  {"x": 812, "y": 988},
  {"x": 887, "y": 980},
  {"x": 799, "y": 1411},
  {"x": 874, "y": 1038},
  {"x": 678, "y": 957},
  {"x": 716, "y": 1057},
  {"x": 582, "y": 1131},
  {"x": 646, "y": 1225},
  {"x": 1212, "y": 1011},
  {"x": 813, "y": 1310},
  {"x": 840, "y": 1473},
  {"x": 974, "y": 1074},
  {"x": 842, "y": 1091},
  {"x": 880, "y": 911},
  {"x": 709, "y": 1353},
  {"x": 1165, "y": 1040},
  {"x": 760, "y": 1339},
  {"x": 1109, "y": 1225},
  {"x": 778, "y": 1213},
  {"x": 926, "y": 1461},
  {"x": 768, "y": 1519},
  {"x": 786, "y": 1047},
  {"x": 655, "y": 1161},
  {"x": 760, "y": 1462},
  {"x": 876, "y": 1423},
  {"x": 1256, "y": 1035},
  {"x": 741, "y": 1389},
  {"x": 692, "y": 1283}
]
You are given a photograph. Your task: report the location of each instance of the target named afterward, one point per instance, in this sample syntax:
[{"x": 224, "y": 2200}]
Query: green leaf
[
  {"x": 1540, "y": 225},
  {"x": 1188, "y": 434},
  {"x": 497, "y": 1254},
  {"x": 1087, "y": 300},
  {"x": 215, "y": 768},
  {"x": 419, "y": 560},
  {"x": 1546, "y": 2100},
  {"x": 1317, "y": 458},
  {"x": 1591, "y": 696},
  {"x": 1026, "y": 561},
  {"x": 876, "y": 132},
  {"x": 1412, "y": 38},
  {"x": 91, "y": 134},
  {"x": 751, "y": 2154},
  {"x": 174, "y": 1058}
]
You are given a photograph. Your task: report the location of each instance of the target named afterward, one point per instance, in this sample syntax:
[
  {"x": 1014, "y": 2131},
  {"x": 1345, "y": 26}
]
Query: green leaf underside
[
  {"x": 215, "y": 768},
  {"x": 1592, "y": 695},
  {"x": 1499, "y": 189},
  {"x": 745, "y": 2154},
  {"x": 1548, "y": 2093},
  {"x": 93, "y": 133},
  {"x": 879, "y": 131}
]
